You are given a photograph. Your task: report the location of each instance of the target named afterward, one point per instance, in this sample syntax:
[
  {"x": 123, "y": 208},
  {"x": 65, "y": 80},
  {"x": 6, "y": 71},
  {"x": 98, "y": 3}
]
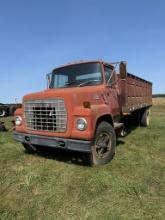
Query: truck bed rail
[{"x": 138, "y": 93}]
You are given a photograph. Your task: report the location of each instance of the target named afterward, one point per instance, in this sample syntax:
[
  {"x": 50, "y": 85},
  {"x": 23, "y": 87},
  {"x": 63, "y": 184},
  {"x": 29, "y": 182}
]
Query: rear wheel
[
  {"x": 145, "y": 118},
  {"x": 103, "y": 148}
]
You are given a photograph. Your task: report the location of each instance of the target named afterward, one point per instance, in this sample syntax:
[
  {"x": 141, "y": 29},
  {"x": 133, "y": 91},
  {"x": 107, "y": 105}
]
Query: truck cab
[{"x": 78, "y": 111}]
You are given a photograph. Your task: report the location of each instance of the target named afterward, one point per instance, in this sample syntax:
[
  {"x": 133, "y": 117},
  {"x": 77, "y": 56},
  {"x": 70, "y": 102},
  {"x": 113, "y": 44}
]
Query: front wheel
[{"x": 103, "y": 148}]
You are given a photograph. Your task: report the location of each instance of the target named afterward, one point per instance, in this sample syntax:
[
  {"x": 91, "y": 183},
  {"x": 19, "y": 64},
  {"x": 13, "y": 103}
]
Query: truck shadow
[
  {"x": 61, "y": 155},
  {"x": 131, "y": 123},
  {"x": 128, "y": 129},
  {"x": 77, "y": 158}
]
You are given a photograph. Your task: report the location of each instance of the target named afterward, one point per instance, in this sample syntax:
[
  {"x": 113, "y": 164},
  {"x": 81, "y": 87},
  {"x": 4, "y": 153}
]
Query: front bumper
[{"x": 55, "y": 142}]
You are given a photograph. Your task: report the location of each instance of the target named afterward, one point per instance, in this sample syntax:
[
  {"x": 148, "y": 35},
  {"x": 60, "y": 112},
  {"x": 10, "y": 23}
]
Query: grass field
[
  {"x": 55, "y": 185},
  {"x": 159, "y": 101}
]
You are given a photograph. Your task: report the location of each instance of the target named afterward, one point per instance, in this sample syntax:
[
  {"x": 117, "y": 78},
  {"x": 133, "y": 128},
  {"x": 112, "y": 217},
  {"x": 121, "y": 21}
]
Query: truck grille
[{"x": 46, "y": 115}]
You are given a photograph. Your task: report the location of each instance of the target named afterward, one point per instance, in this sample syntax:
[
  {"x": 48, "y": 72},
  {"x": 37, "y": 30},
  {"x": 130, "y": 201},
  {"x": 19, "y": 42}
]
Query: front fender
[
  {"x": 99, "y": 111},
  {"x": 91, "y": 115},
  {"x": 18, "y": 112}
]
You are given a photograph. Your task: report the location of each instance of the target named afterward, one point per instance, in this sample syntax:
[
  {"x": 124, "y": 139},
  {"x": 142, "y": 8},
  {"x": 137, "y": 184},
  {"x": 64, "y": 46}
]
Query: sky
[{"x": 38, "y": 35}]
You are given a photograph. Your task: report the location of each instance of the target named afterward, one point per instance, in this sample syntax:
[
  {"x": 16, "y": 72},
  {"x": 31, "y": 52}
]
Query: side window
[{"x": 108, "y": 73}]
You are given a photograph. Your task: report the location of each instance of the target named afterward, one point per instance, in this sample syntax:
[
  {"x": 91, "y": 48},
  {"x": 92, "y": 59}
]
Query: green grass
[{"x": 55, "y": 185}]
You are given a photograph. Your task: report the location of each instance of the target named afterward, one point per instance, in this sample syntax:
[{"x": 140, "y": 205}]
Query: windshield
[{"x": 84, "y": 74}]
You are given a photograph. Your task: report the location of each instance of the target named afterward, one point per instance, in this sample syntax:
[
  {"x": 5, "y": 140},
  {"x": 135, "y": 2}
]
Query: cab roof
[{"x": 83, "y": 61}]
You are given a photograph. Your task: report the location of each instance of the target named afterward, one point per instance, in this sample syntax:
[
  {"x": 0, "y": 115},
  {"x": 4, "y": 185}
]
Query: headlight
[
  {"x": 18, "y": 120},
  {"x": 81, "y": 124}
]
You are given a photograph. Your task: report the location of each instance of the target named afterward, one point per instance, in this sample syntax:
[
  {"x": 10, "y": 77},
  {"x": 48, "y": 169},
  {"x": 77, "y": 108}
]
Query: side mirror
[
  {"x": 48, "y": 79},
  {"x": 123, "y": 70}
]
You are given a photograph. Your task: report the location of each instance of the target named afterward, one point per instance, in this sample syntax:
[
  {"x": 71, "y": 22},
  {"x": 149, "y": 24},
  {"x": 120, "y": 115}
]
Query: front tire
[{"x": 103, "y": 148}]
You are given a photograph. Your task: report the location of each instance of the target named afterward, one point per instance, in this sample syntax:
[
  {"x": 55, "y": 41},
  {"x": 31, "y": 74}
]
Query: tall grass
[{"x": 55, "y": 184}]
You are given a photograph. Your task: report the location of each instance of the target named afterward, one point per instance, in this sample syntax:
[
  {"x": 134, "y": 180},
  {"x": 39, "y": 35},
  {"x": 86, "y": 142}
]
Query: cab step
[
  {"x": 119, "y": 128},
  {"x": 118, "y": 125}
]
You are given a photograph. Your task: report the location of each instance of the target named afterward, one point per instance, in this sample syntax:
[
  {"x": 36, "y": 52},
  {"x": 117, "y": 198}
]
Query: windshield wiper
[
  {"x": 89, "y": 81},
  {"x": 70, "y": 83},
  {"x": 82, "y": 84}
]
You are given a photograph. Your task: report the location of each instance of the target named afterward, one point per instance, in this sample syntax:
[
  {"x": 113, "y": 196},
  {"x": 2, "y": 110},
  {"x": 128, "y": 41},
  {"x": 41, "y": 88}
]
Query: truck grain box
[{"x": 82, "y": 109}]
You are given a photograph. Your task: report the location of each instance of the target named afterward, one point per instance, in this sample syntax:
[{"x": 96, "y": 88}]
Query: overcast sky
[{"x": 37, "y": 36}]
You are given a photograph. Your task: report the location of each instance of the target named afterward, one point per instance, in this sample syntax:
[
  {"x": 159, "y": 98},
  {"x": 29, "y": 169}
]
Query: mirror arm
[
  {"x": 48, "y": 79},
  {"x": 113, "y": 83}
]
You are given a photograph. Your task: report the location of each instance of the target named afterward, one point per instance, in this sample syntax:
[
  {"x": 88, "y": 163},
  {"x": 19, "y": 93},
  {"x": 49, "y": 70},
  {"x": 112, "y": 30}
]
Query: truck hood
[
  {"x": 74, "y": 95},
  {"x": 74, "y": 102}
]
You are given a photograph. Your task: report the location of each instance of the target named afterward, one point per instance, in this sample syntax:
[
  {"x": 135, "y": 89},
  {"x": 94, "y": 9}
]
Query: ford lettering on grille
[{"x": 46, "y": 115}]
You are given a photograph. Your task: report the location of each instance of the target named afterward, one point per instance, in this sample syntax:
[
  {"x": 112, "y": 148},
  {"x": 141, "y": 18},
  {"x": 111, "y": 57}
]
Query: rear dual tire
[
  {"x": 145, "y": 118},
  {"x": 141, "y": 117}
]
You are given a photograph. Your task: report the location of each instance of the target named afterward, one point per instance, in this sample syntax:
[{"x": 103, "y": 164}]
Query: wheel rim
[
  {"x": 2, "y": 113},
  {"x": 103, "y": 145}
]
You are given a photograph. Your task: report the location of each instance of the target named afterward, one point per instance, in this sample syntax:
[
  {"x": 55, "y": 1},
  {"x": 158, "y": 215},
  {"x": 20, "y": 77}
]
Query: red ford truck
[{"x": 82, "y": 109}]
